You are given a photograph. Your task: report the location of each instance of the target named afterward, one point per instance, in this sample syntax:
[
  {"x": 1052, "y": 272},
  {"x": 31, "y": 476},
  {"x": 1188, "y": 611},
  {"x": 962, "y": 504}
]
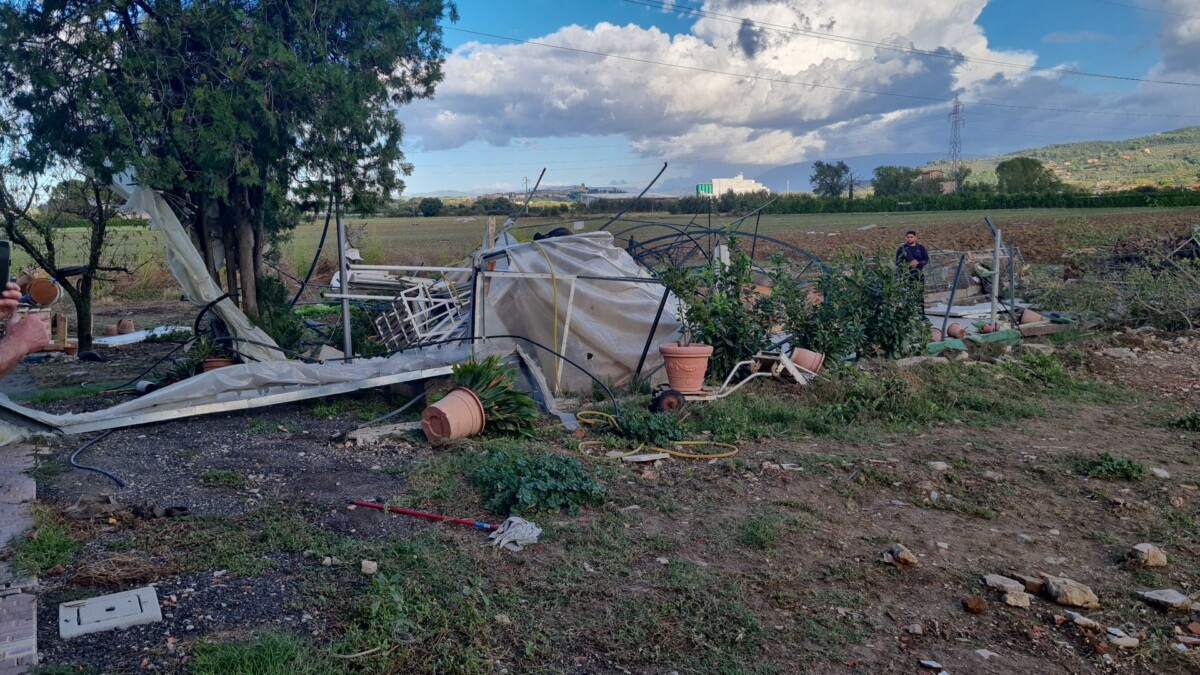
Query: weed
[
  {"x": 258, "y": 426},
  {"x": 361, "y": 408},
  {"x": 763, "y": 530},
  {"x": 52, "y": 395},
  {"x": 1189, "y": 422},
  {"x": 50, "y": 544},
  {"x": 1107, "y": 467},
  {"x": 170, "y": 337},
  {"x": 513, "y": 481},
  {"x": 222, "y": 478},
  {"x": 653, "y": 429},
  {"x": 268, "y": 654},
  {"x": 46, "y": 470}
]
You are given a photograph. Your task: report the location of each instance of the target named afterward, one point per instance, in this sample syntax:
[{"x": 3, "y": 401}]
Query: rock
[
  {"x": 1178, "y": 342},
  {"x": 369, "y": 567},
  {"x": 1124, "y": 642},
  {"x": 1082, "y": 621},
  {"x": 1194, "y": 628},
  {"x": 503, "y": 619},
  {"x": 1116, "y": 632},
  {"x": 1017, "y": 599},
  {"x": 327, "y": 561},
  {"x": 1003, "y": 583},
  {"x": 1182, "y": 649},
  {"x": 940, "y": 467},
  {"x": 1159, "y": 473},
  {"x": 663, "y": 561},
  {"x": 1188, "y": 640},
  {"x": 993, "y": 476},
  {"x": 1118, "y": 353},
  {"x": 931, "y": 664},
  {"x": 985, "y": 654},
  {"x": 1070, "y": 593},
  {"x": 899, "y": 555},
  {"x": 915, "y": 629},
  {"x": 1032, "y": 584},
  {"x": 1167, "y": 599},
  {"x": 1036, "y": 347},
  {"x": 975, "y": 605},
  {"x": 1148, "y": 555}
]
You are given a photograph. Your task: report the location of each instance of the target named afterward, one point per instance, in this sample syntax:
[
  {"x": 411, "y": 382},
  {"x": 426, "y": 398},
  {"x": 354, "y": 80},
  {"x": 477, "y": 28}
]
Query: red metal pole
[{"x": 422, "y": 514}]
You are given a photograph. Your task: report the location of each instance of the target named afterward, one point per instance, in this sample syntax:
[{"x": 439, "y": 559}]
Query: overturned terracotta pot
[
  {"x": 937, "y": 335},
  {"x": 458, "y": 415},
  {"x": 110, "y": 330},
  {"x": 125, "y": 326},
  {"x": 955, "y": 330},
  {"x": 686, "y": 366},
  {"x": 1030, "y": 316},
  {"x": 808, "y": 359},
  {"x": 989, "y": 328}
]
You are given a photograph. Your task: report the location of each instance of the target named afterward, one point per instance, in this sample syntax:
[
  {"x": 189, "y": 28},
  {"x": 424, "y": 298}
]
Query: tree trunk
[
  {"x": 231, "y": 283},
  {"x": 202, "y": 238},
  {"x": 245, "y": 251},
  {"x": 260, "y": 214},
  {"x": 83, "y": 313}
]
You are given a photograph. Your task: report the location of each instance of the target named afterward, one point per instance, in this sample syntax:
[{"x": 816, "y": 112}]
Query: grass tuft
[
  {"x": 50, "y": 544},
  {"x": 1107, "y": 467}
]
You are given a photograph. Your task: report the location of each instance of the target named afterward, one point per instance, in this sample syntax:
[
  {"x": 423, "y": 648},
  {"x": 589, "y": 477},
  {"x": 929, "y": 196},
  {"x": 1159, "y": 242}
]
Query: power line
[
  {"x": 780, "y": 80},
  {"x": 1145, "y": 8},
  {"x": 950, "y": 56}
]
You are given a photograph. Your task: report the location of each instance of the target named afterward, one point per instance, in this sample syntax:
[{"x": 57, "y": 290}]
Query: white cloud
[{"x": 497, "y": 93}]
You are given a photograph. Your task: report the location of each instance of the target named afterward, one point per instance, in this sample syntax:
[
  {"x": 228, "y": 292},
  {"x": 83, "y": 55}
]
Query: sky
[{"x": 604, "y": 92}]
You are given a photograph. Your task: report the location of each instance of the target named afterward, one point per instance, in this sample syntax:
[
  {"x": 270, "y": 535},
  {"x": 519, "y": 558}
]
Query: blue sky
[{"x": 506, "y": 109}]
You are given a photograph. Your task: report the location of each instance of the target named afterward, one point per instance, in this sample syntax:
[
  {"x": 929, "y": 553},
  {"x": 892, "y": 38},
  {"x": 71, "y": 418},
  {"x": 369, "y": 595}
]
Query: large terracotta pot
[
  {"x": 686, "y": 366},
  {"x": 937, "y": 334},
  {"x": 125, "y": 326},
  {"x": 1030, "y": 316},
  {"x": 954, "y": 330},
  {"x": 43, "y": 291},
  {"x": 214, "y": 362},
  {"x": 808, "y": 359},
  {"x": 458, "y": 415}
]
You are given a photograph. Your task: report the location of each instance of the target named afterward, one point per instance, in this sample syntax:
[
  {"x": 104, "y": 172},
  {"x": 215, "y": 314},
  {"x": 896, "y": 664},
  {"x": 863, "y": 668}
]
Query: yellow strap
[{"x": 553, "y": 280}]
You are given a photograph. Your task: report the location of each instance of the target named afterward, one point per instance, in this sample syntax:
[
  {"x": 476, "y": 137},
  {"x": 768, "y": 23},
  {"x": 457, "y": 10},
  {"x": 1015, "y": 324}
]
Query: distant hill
[{"x": 1171, "y": 158}]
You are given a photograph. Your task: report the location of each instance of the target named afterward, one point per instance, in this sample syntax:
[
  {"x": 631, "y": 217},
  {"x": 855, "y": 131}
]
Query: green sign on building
[{"x": 704, "y": 189}]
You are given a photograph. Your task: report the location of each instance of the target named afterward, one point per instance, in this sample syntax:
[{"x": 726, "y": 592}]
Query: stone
[
  {"x": 1182, "y": 649},
  {"x": 370, "y": 567},
  {"x": 1167, "y": 599},
  {"x": 940, "y": 467},
  {"x": 1033, "y": 585},
  {"x": 993, "y": 476},
  {"x": 1179, "y": 341},
  {"x": 899, "y": 555},
  {"x": 1070, "y": 593},
  {"x": 1124, "y": 642},
  {"x": 1018, "y": 599},
  {"x": 915, "y": 629},
  {"x": 1082, "y": 621},
  {"x": 1003, "y": 583},
  {"x": 1118, "y": 353},
  {"x": 1194, "y": 628},
  {"x": 327, "y": 561},
  {"x": 1148, "y": 555},
  {"x": 1188, "y": 640},
  {"x": 1159, "y": 473},
  {"x": 975, "y": 605},
  {"x": 931, "y": 664},
  {"x": 985, "y": 654}
]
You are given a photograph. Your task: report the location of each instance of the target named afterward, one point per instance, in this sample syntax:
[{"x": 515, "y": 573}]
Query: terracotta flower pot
[
  {"x": 937, "y": 334},
  {"x": 214, "y": 362},
  {"x": 954, "y": 330},
  {"x": 458, "y": 415},
  {"x": 110, "y": 330},
  {"x": 44, "y": 291},
  {"x": 1030, "y": 316},
  {"x": 686, "y": 366},
  {"x": 808, "y": 359},
  {"x": 125, "y": 326},
  {"x": 989, "y": 328}
]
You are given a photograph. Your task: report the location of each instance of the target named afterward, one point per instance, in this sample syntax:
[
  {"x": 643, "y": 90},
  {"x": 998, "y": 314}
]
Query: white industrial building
[{"x": 738, "y": 185}]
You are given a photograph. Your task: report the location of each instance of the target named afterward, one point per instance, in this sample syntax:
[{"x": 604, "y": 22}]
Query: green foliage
[
  {"x": 268, "y": 654},
  {"x": 508, "y": 410},
  {"x": 517, "y": 482},
  {"x": 653, "y": 429},
  {"x": 430, "y": 207},
  {"x": 830, "y": 179},
  {"x": 1165, "y": 296},
  {"x": 222, "y": 478},
  {"x": 275, "y": 315},
  {"x": 1025, "y": 175},
  {"x": 50, "y": 544},
  {"x": 1189, "y": 422},
  {"x": 362, "y": 334},
  {"x": 894, "y": 180},
  {"x": 867, "y": 308},
  {"x": 310, "y": 311},
  {"x": 763, "y": 530},
  {"x": 172, "y": 337},
  {"x": 722, "y": 309},
  {"x": 1107, "y": 467}
]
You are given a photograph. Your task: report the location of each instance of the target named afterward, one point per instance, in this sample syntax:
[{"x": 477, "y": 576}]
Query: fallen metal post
[
  {"x": 653, "y": 329},
  {"x": 962, "y": 259}
]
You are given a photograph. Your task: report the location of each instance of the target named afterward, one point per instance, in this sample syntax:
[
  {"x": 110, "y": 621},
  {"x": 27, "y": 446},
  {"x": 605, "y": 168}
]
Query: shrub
[
  {"x": 508, "y": 410},
  {"x": 517, "y": 482},
  {"x": 275, "y": 315},
  {"x": 1109, "y": 468},
  {"x": 1189, "y": 422},
  {"x": 653, "y": 429}
]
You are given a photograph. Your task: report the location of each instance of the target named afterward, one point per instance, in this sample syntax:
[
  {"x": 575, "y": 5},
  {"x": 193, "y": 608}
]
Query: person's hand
[
  {"x": 913, "y": 263},
  {"x": 9, "y": 300},
  {"x": 29, "y": 331}
]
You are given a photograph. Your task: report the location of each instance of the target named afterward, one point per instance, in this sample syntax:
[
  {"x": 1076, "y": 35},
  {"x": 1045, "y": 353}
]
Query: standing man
[
  {"x": 912, "y": 255},
  {"x": 23, "y": 335}
]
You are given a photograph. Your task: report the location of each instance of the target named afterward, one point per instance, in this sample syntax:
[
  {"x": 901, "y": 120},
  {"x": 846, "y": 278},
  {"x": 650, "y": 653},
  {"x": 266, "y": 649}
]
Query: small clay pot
[
  {"x": 214, "y": 362},
  {"x": 990, "y": 328},
  {"x": 125, "y": 326},
  {"x": 808, "y": 360},
  {"x": 110, "y": 330},
  {"x": 1030, "y": 316},
  {"x": 937, "y": 335},
  {"x": 458, "y": 415},
  {"x": 686, "y": 366},
  {"x": 954, "y": 330}
]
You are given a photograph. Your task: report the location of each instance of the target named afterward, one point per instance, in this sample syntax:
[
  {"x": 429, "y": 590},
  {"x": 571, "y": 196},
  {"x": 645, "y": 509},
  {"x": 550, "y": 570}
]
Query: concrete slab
[
  {"x": 18, "y": 633},
  {"x": 108, "y": 612},
  {"x": 14, "y": 582}
]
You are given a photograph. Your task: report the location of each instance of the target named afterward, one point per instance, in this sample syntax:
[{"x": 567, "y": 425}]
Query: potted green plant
[
  {"x": 484, "y": 395},
  {"x": 686, "y": 362}
]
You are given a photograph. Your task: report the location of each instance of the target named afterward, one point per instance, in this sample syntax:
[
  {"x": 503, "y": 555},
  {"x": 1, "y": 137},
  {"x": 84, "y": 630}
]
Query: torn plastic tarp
[
  {"x": 249, "y": 385},
  {"x": 188, "y": 268},
  {"x": 609, "y": 320}
]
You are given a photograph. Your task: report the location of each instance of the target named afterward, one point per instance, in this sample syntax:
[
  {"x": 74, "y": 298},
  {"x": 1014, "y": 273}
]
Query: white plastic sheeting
[
  {"x": 233, "y": 385},
  {"x": 609, "y": 320},
  {"x": 188, "y": 267}
]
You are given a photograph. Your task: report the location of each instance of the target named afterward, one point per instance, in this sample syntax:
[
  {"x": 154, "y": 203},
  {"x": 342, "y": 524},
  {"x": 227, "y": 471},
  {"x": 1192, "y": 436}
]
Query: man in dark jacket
[{"x": 912, "y": 255}]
